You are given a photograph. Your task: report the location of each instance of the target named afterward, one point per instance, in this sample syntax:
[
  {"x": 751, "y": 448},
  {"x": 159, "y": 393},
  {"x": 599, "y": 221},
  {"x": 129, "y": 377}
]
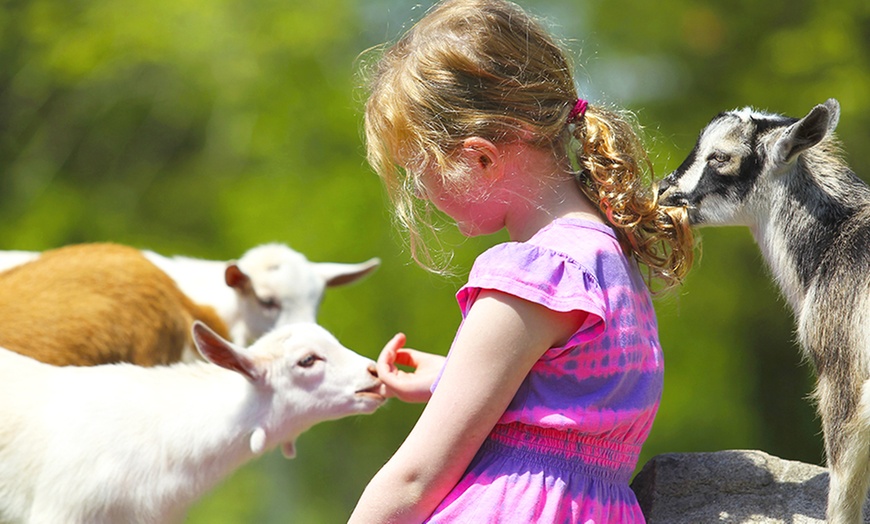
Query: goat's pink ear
[
  {"x": 236, "y": 278},
  {"x": 222, "y": 353},
  {"x": 336, "y": 274}
]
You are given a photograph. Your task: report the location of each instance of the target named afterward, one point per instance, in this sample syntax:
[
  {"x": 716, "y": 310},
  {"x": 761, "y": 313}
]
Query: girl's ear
[{"x": 483, "y": 156}]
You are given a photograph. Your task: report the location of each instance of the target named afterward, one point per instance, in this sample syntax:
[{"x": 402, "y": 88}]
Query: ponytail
[
  {"x": 612, "y": 163},
  {"x": 508, "y": 80}
]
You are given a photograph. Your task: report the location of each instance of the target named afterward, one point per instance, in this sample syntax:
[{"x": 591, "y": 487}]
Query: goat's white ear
[
  {"x": 236, "y": 278},
  {"x": 808, "y": 131},
  {"x": 224, "y": 354},
  {"x": 335, "y": 274},
  {"x": 834, "y": 107}
]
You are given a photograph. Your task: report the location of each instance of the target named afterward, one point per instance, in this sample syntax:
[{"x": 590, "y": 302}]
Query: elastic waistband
[{"x": 566, "y": 449}]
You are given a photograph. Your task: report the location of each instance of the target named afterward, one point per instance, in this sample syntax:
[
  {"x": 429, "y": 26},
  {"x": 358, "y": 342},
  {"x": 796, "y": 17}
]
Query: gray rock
[{"x": 731, "y": 487}]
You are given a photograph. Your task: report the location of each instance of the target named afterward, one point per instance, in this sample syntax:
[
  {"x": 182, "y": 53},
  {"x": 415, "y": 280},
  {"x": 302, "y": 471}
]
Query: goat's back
[
  {"x": 89, "y": 444},
  {"x": 96, "y": 303}
]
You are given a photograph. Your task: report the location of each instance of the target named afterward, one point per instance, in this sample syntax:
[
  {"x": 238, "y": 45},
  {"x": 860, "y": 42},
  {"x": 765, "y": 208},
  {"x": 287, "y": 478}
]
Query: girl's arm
[{"x": 501, "y": 338}]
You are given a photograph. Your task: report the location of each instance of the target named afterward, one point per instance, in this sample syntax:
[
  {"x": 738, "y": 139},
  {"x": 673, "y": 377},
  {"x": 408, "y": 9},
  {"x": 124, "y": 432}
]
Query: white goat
[
  {"x": 122, "y": 443},
  {"x": 9, "y": 259},
  {"x": 810, "y": 214},
  {"x": 270, "y": 285}
]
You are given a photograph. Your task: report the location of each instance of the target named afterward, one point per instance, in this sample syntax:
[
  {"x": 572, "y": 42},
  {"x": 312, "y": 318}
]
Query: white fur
[
  {"x": 281, "y": 285},
  {"x": 10, "y": 259},
  {"x": 122, "y": 443},
  {"x": 772, "y": 242}
]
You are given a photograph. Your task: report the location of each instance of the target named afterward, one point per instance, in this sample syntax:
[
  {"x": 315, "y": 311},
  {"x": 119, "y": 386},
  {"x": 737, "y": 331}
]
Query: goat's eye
[
  {"x": 308, "y": 360},
  {"x": 269, "y": 303},
  {"x": 718, "y": 158}
]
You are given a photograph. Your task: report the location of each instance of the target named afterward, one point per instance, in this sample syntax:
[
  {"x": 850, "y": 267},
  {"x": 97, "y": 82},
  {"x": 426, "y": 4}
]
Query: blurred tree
[{"x": 207, "y": 127}]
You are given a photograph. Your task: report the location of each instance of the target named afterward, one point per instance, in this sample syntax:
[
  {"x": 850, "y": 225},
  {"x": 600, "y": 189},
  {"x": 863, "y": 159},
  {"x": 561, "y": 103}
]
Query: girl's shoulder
[
  {"x": 576, "y": 237},
  {"x": 565, "y": 241},
  {"x": 580, "y": 242},
  {"x": 555, "y": 268}
]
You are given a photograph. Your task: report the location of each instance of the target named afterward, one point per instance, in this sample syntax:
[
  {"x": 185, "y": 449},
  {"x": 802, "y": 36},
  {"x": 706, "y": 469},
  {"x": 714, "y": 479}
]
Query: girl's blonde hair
[{"x": 485, "y": 68}]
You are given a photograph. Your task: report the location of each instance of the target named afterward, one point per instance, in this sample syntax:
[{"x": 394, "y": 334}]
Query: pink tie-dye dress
[{"x": 566, "y": 447}]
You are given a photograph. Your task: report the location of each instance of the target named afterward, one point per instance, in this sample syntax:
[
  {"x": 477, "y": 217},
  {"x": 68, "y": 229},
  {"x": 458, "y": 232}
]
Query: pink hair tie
[{"x": 578, "y": 111}]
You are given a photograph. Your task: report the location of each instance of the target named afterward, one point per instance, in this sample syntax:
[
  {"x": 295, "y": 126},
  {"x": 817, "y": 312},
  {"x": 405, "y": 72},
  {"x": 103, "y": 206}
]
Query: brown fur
[{"x": 92, "y": 304}]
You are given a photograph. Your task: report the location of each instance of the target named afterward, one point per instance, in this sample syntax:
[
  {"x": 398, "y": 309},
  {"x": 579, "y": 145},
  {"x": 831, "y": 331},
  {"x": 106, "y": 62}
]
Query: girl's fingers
[
  {"x": 385, "y": 365},
  {"x": 405, "y": 357},
  {"x": 396, "y": 342}
]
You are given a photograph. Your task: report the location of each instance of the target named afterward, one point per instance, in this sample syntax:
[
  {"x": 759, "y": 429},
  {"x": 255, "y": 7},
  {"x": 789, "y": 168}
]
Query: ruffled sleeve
[{"x": 542, "y": 276}]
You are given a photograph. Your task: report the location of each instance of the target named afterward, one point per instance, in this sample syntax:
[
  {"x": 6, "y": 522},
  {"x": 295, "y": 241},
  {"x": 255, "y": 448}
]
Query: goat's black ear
[
  {"x": 808, "y": 131},
  {"x": 834, "y": 107}
]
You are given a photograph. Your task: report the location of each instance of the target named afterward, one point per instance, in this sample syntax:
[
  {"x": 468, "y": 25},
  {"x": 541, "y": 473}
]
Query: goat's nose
[{"x": 373, "y": 371}]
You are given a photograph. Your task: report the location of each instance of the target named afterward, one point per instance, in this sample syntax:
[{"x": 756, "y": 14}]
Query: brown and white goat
[
  {"x": 270, "y": 285},
  {"x": 810, "y": 215},
  {"x": 93, "y": 304}
]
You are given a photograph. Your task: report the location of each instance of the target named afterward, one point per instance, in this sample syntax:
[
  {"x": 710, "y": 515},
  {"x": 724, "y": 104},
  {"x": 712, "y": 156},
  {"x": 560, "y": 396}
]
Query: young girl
[{"x": 540, "y": 409}]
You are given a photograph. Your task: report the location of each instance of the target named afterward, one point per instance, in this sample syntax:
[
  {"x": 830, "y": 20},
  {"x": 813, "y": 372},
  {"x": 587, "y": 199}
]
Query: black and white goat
[{"x": 810, "y": 214}]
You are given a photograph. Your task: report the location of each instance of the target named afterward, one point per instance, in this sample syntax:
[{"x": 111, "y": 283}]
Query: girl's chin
[{"x": 470, "y": 231}]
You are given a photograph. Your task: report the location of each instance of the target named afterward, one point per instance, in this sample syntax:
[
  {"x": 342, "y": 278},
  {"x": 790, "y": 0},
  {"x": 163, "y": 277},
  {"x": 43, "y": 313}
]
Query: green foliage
[{"x": 207, "y": 127}]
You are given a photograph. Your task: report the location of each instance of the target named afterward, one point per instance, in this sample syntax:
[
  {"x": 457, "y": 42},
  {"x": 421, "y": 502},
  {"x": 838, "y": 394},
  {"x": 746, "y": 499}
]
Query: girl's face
[{"x": 475, "y": 207}]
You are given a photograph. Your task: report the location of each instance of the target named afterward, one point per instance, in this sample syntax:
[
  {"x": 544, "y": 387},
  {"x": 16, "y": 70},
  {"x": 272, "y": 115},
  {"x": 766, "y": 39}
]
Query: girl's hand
[{"x": 407, "y": 386}]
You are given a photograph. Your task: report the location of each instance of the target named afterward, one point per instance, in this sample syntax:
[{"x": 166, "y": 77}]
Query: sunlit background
[{"x": 206, "y": 127}]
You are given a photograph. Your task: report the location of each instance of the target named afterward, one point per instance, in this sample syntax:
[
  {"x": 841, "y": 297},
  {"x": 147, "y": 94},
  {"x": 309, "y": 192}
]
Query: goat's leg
[
  {"x": 848, "y": 488},
  {"x": 847, "y": 444}
]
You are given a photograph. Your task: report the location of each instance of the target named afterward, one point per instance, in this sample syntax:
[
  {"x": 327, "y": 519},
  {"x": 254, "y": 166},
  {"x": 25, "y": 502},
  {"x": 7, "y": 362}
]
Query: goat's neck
[
  {"x": 798, "y": 217},
  {"x": 206, "y": 432},
  {"x": 202, "y": 281}
]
